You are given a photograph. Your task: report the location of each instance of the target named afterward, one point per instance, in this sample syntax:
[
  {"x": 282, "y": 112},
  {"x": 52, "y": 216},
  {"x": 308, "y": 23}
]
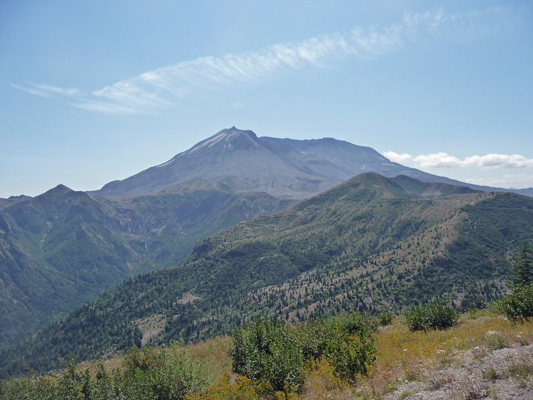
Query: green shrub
[
  {"x": 352, "y": 354},
  {"x": 384, "y": 318},
  {"x": 517, "y": 306},
  {"x": 354, "y": 322},
  {"x": 273, "y": 353},
  {"x": 435, "y": 315},
  {"x": 160, "y": 374},
  {"x": 313, "y": 338},
  {"x": 148, "y": 374},
  {"x": 267, "y": 352}
]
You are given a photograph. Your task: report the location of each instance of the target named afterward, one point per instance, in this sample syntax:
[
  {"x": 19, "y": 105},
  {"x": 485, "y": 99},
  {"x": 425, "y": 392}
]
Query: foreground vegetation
[{"x": 271, "y": 360}]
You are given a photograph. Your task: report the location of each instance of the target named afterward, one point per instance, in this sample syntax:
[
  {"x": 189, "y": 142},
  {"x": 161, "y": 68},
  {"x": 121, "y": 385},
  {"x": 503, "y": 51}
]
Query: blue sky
[{"x": 100, "y": 90}]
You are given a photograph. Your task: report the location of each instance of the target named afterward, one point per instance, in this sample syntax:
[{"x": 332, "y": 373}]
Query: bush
[
  {"x": 517, "y": 306},
  {"x": 355, "y": 322},
  {"x": 160, "y": 374},
  {"x": 435, "y": 315},
  {"x": 273, "y": 354},
  {"x": 352, "y": 354},
  {"x": 384, "y": 318},
  {"x": 268, "y": 353},
  {"x": 149, "y": 374}
]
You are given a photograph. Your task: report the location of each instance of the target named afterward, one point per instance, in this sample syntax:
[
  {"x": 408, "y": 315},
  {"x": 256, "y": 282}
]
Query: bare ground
[{"x": 477, "y": 373}]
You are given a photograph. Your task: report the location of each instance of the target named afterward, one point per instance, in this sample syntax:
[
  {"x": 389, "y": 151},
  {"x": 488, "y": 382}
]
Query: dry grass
[
  {"x": 406, "y": 356},
  {"x": 214, "y": 353},
  {"x": 403, "y": 356}
]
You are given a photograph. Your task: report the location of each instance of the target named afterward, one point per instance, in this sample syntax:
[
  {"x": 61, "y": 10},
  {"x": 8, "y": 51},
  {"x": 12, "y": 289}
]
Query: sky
[{"x": 96, "y": 91}]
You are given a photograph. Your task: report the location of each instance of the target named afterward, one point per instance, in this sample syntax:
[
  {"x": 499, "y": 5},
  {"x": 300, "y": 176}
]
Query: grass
[
  {"x": 403, "y": 356},
  {"x": 407, "y": 355}
]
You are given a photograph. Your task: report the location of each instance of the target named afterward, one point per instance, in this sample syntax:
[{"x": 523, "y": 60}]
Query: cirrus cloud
[
  {"x": 162, "y": 87},
  {"x": 46, "y": 90}
]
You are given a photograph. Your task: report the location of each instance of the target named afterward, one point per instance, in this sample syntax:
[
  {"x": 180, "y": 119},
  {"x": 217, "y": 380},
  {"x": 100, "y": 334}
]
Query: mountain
[
  {"x": 240, "y": 160},
  {"x": 63, "y": 248},
  {"x": 284, "y": 168},
  {"x": 57, "y": 251},
  {"x": 370, "y": 242}
]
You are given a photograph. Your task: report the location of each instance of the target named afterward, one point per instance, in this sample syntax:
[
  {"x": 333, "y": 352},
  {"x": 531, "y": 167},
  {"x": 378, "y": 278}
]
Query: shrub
[
  {"x": 517, "y": 306},
  {"x": 148, "y": 374},
  {"x": 273, "y": 354},
  {"x": 159, "y": 374},
  {"x": 436, "y": 315},
  {"x": 384, "y": 318},
  {"x": 313, "y": 338},
  {"x": 355, "y": 322},
  {"x": 352, "y": 354},
  {"x": 346, "y": 341},
  {"x": 268, "y": 353}
]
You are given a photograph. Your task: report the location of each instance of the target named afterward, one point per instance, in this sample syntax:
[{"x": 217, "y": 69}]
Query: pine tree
[{"x": 522, "y": 274}]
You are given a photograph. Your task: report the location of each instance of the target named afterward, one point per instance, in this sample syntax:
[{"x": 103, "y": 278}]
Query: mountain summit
[
  {"x": 287, "y": 169},
  {"x": 228, "y": 140},
  {"x": 242, "y": 161}
]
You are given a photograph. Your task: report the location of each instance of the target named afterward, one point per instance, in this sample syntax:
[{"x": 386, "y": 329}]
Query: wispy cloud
[
  {"x": 164, "y": 86},
  {"x": 445, "y": 160},
  {"x": 47, "y": 90}
]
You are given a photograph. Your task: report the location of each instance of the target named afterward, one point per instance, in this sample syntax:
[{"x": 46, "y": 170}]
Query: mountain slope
[
  {"x": 57, "y": 251},
  {"x": 63, "y": 248},
  {"x": 65, "y": 243},
  {"x": 369, "y": 242},
  {"x": 356, "y": 160}
]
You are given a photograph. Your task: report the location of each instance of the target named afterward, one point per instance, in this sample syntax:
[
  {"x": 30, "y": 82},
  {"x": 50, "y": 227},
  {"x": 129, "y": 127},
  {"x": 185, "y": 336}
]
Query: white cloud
[
  {"x": 499, "y": 160},
  {"x": 161, "y": 87},
  {"x": 57, "y": 90},
  {"x": 157, "y": 88},
  {"x": 439, "y": 160},
  {"x": 46, "y": 90},
  {"x": 35, "y": 92},
  {"x": 399, "y": 158},
  {"x": 444, "y": 160}
]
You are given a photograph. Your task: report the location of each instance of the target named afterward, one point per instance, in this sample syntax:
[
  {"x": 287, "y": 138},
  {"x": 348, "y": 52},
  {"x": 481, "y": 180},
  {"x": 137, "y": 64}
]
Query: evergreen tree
[{"x": 522, "y": 273}]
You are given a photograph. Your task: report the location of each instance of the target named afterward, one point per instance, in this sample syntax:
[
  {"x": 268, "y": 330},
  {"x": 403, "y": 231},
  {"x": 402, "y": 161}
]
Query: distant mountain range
[
  {"x": 368, "y": 243},
  {"x": 62, "y": 248}
]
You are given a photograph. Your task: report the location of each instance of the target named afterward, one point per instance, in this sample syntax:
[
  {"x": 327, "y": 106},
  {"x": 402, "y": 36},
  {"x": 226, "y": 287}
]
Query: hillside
[
  {"x": 61, "y": 249},
  {"x": 368, "y": 243}
]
